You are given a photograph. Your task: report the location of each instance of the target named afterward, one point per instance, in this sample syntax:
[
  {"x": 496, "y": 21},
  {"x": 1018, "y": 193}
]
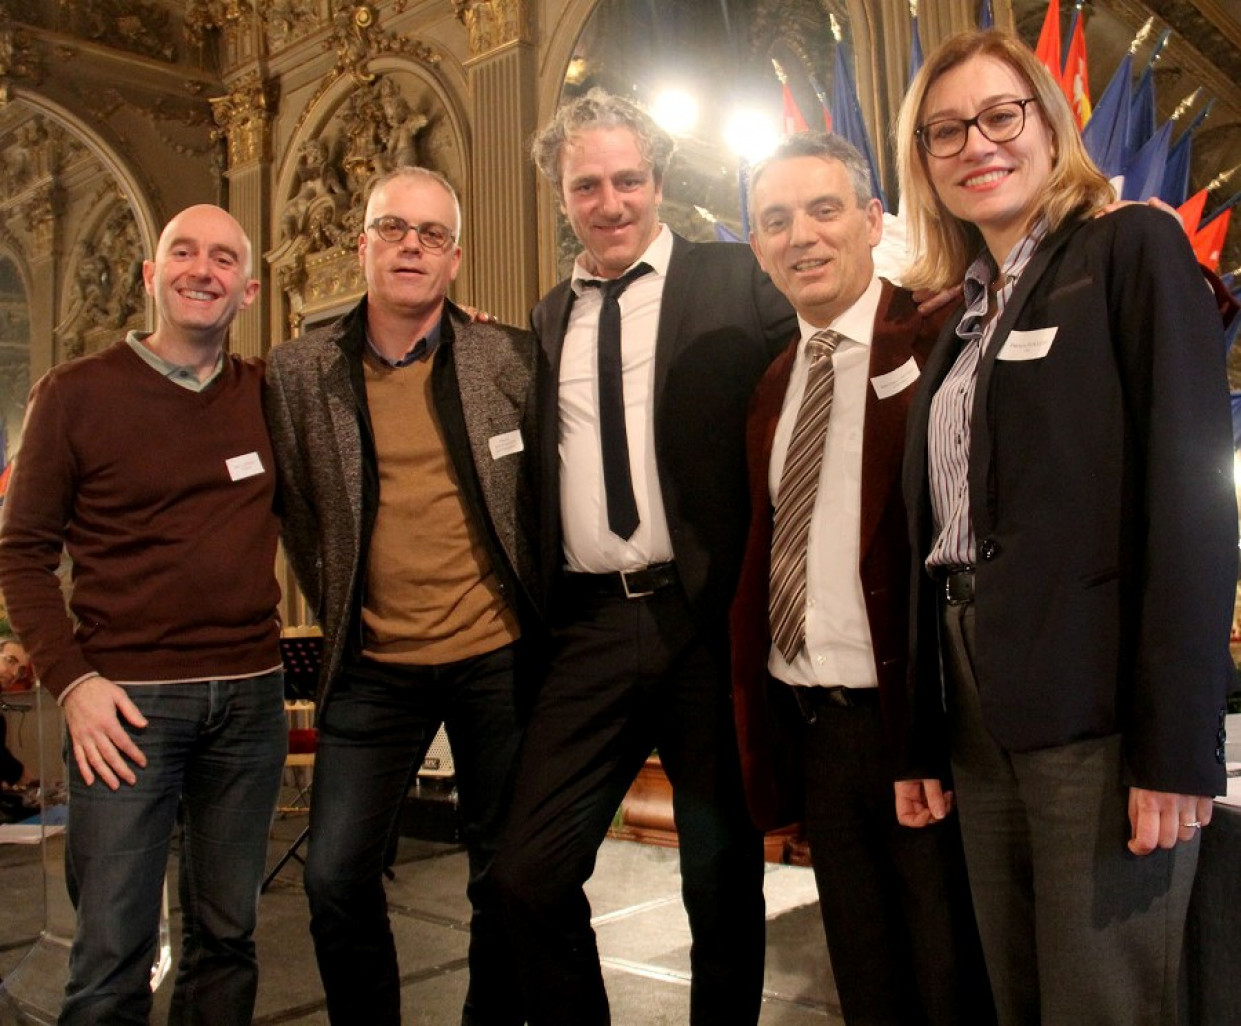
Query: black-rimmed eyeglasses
[
  {"x": 999, "y": 123},
  {"x": 433, "y": 235}
]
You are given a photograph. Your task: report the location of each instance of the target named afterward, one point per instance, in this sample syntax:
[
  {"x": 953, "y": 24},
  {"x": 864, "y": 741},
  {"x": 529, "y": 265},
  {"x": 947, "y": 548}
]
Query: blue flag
[
  {"x": 1145, "y": 173},
  {"x": 1106, "y": 133},
  {"x": 1175, "y": 188},
  {"x": 1142, "y": 112},
  {"x": 847, "y": 117},
  {"x": 915, "y": 49}
]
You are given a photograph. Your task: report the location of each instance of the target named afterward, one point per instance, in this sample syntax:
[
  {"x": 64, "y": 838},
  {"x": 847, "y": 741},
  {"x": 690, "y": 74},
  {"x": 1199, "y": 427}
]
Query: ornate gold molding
[
  {"x": 39, "y": 213},
  {"x": 204, "y": 16},
  {"x": 492, "y": 24},
  {"x": 19, "y": 56},
  {"x": 243, "y": 117}
]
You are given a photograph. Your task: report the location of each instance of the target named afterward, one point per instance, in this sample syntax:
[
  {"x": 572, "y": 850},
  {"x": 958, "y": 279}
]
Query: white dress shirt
[
  {"x": 838, "y": 648},
  {"x": 589, "y": 545}
]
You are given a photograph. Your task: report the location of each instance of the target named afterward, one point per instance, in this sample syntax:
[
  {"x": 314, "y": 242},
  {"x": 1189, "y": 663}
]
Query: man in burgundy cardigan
[{"x": 817, "y": 711}]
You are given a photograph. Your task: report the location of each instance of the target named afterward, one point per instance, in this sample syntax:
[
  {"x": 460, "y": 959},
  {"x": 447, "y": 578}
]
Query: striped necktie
[{"x": 799, "y": 483}]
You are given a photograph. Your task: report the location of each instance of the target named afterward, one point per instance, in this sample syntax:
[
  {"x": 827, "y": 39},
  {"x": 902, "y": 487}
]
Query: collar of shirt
[
  {"x": 658, "y": 255},
  {"x": 982, "y": 272},
  {"x": 177, "y": 373},
  {"x": 423, "y": 349},
  {"x": 857, "y": 323}
]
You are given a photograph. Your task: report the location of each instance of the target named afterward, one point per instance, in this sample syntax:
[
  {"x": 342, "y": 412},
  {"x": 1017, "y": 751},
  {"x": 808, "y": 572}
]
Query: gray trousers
[{"x": 1074, "y": 928}]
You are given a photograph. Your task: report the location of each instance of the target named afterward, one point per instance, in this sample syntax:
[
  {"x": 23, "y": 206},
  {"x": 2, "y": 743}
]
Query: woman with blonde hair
[{"x": 1068, "y": 475}]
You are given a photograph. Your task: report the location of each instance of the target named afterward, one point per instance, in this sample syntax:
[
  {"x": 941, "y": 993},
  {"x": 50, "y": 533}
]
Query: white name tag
[
  {"x": 1027, "y": 345},
  {"x": 505, "y": 444},
  {"x": 241, "y": 467},
  {"x": 895, "y": 381}
]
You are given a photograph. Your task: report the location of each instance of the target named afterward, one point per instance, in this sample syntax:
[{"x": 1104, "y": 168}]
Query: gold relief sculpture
[
  {"x": 131, "y": 25},
  {"x": 242, "y": 117},
  {"x": 19, "y": 57},
  {"x": 204, "y": 16},
  {"x": 285, "y": 21},
  {"x": 27, "y": 156},
  {"x": 493, "y": 23},
  {"x": 107, "y": 285},
  {"x": 38, "y": 213},
  {"x": 356, "y": 38},
  {"x": 376, "y": 128}
]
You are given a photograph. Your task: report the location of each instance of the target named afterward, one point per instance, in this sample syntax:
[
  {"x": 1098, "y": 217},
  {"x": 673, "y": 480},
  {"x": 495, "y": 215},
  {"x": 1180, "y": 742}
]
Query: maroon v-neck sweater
[{"x": 164, "y": 500}]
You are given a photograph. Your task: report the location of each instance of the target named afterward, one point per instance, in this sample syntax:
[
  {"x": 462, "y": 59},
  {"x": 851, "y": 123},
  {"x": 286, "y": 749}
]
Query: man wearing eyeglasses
[{"x": 401, "y": 436}]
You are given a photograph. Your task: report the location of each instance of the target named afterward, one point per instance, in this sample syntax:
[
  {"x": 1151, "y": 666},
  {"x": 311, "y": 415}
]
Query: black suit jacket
[
  {"x": 772, "y": 786},
  {"x": 721, "y": 321},
  {"x": 1102, "y": 498}
]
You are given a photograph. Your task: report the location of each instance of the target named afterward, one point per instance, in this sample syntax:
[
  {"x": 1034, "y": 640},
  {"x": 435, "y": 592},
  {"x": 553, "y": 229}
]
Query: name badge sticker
[
  {"x": 896, "y": 381},
  {"x": 1027, "y": 345},
  {"x": 241, "y": 467},
  {"x": 506, "y": 444}
]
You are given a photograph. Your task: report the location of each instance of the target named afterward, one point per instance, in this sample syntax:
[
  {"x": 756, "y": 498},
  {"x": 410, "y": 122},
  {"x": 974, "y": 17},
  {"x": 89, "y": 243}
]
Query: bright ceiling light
[
  {"x": 676, "y": 111},
  {"x": 751, "y": 135}
]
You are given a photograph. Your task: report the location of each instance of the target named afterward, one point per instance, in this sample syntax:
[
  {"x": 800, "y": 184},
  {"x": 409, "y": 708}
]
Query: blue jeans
[
  {"x": 215, "y": 752},
  {"x": 374, "y": 730}
]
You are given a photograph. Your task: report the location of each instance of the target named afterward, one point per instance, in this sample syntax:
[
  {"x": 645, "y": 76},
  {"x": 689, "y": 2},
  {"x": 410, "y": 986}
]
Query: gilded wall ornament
[
  {"x": 38, "y": 214},
  {"x": 19, "y": 55},
  {"x": 130, "y": 25},
  {"x": 243, "y": 116},
  {"x": 494, "y": 23}
]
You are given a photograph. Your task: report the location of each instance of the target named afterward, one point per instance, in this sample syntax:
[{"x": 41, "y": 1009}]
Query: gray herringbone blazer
[{"x": 315, "y": 401}]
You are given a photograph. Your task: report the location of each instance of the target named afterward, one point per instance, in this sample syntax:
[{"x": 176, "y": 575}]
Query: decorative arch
[{"x": 359, "y": 126}]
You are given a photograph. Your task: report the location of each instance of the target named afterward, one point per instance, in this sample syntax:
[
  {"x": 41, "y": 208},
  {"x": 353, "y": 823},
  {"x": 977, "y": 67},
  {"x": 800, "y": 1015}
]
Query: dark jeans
[
  {"x": 215, "y": 751},
  {"x": 374, "y": 731},
  {"x": 628, "y": 676}
]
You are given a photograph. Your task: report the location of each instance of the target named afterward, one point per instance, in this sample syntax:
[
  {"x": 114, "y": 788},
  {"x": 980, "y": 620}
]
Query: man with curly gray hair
[{"x": 650, "y": 352}]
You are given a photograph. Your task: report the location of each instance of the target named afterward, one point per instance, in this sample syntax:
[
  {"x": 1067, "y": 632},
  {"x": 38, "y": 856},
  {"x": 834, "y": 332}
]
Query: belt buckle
[
  {"x": 624, "y": 576},
  {"x": 957, "y": 596}
]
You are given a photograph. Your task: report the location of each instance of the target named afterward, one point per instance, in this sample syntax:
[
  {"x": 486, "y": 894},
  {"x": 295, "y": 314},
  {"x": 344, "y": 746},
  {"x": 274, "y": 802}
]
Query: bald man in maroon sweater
[{"x": 150, "y": 463}]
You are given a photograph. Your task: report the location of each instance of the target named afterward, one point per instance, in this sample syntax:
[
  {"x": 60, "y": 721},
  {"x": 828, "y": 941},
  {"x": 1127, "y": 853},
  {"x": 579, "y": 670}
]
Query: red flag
[
  {"x": 793, "y": 121},
  {"x": 1191, "y": 212},
  {"x": 1048, "y": 49},
  {"x": 1208, "y": 241},
  {"x": 1076, "y": 82}
]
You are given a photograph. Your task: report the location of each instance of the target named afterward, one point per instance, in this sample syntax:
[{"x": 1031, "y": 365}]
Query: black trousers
[
  {"x": 628, "y": 676},
  {"x": 895, "y": 901}
]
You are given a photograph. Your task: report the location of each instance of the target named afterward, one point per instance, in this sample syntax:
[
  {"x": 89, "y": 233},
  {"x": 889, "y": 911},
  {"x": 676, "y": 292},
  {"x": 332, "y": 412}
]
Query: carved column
[
  {"x": 244, "y": 118},
  {"x": 39, "y": 217},
  {"x": 502, "y": 200}
]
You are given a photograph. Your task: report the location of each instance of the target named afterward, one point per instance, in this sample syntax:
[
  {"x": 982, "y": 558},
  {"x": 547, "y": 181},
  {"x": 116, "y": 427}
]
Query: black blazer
[
  {"x": 720, "y": 323},
  {"x": 1102, "y": 498}
]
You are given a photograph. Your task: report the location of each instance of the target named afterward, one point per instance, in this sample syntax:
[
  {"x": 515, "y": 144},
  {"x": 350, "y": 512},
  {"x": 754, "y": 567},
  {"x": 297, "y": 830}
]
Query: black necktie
[{"x": 613, "y": 439}]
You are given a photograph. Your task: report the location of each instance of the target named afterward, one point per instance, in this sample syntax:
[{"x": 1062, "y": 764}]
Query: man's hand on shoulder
[{"x": 101, "y": 746}]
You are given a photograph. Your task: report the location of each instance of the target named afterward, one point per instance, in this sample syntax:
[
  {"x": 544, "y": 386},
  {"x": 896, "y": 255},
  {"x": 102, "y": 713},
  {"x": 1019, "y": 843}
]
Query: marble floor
[{"x": 635, "y": 894}]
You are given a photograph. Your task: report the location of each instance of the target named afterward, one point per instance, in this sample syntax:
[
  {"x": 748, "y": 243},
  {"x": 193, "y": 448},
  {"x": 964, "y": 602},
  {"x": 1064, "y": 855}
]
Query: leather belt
[
  {"x": 627, "y": 584},
  {"x": 845, "y": 698},
  {"x": 956, "y": 583}
]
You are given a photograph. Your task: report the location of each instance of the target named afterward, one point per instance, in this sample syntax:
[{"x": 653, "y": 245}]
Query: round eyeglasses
[
  {"x": 431, "y": 234},
  {"x": 999, "y": 123}
]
